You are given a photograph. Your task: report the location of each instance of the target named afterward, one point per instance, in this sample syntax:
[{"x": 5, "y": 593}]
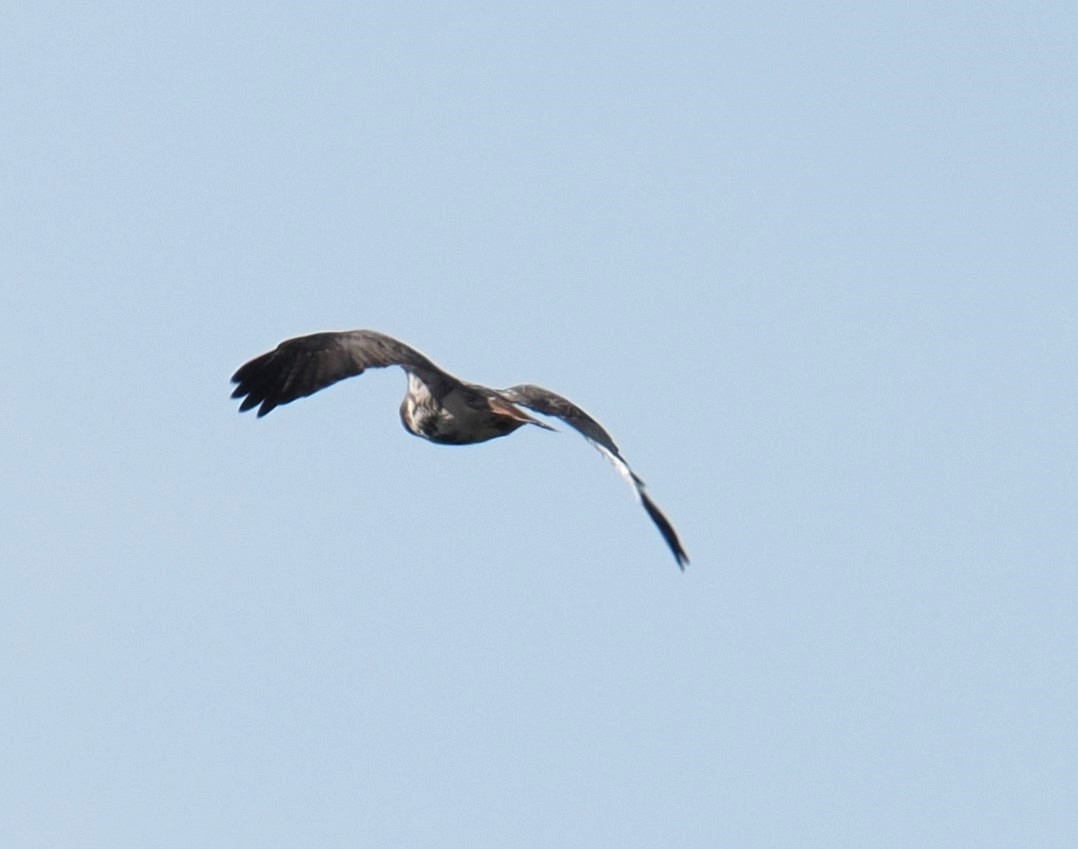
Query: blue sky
[{"x": 815, "y": 268}]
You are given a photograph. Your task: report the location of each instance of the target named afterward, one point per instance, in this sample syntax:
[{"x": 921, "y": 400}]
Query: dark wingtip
[
  {"x": 251, "y": 385},
  {"x": 252, "y": 399},
  {"x": 679, "y": 553},
  {"x": 667, "y": 531},
  {"x": 248, "y": 402}
]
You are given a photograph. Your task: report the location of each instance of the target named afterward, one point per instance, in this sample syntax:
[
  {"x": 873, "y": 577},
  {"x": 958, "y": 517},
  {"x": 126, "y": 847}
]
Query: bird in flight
[{"x": 437, "y": 406}]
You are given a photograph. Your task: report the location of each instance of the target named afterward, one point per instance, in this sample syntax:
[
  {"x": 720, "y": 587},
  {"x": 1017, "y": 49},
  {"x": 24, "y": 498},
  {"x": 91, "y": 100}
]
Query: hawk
[{"x": 437, "y": 406}]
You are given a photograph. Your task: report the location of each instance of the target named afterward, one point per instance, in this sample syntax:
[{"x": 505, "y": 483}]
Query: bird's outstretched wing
[
  {"x": 301, "y": 366},
  {"x": 551, "y": 404}
]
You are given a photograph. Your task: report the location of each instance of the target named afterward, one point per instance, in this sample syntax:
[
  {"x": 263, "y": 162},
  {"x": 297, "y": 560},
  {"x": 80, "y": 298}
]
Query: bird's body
[
  {"x": 460, "y": 416},
  {"x": 437, "y": 406}
]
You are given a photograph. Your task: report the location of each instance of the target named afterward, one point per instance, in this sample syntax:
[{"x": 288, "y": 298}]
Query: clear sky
[{"x": 813, "y": 265}]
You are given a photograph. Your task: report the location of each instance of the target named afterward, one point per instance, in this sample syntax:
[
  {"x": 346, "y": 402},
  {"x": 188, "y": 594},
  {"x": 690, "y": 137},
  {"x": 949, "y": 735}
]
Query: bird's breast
[{"x": 455, "y": 419}]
